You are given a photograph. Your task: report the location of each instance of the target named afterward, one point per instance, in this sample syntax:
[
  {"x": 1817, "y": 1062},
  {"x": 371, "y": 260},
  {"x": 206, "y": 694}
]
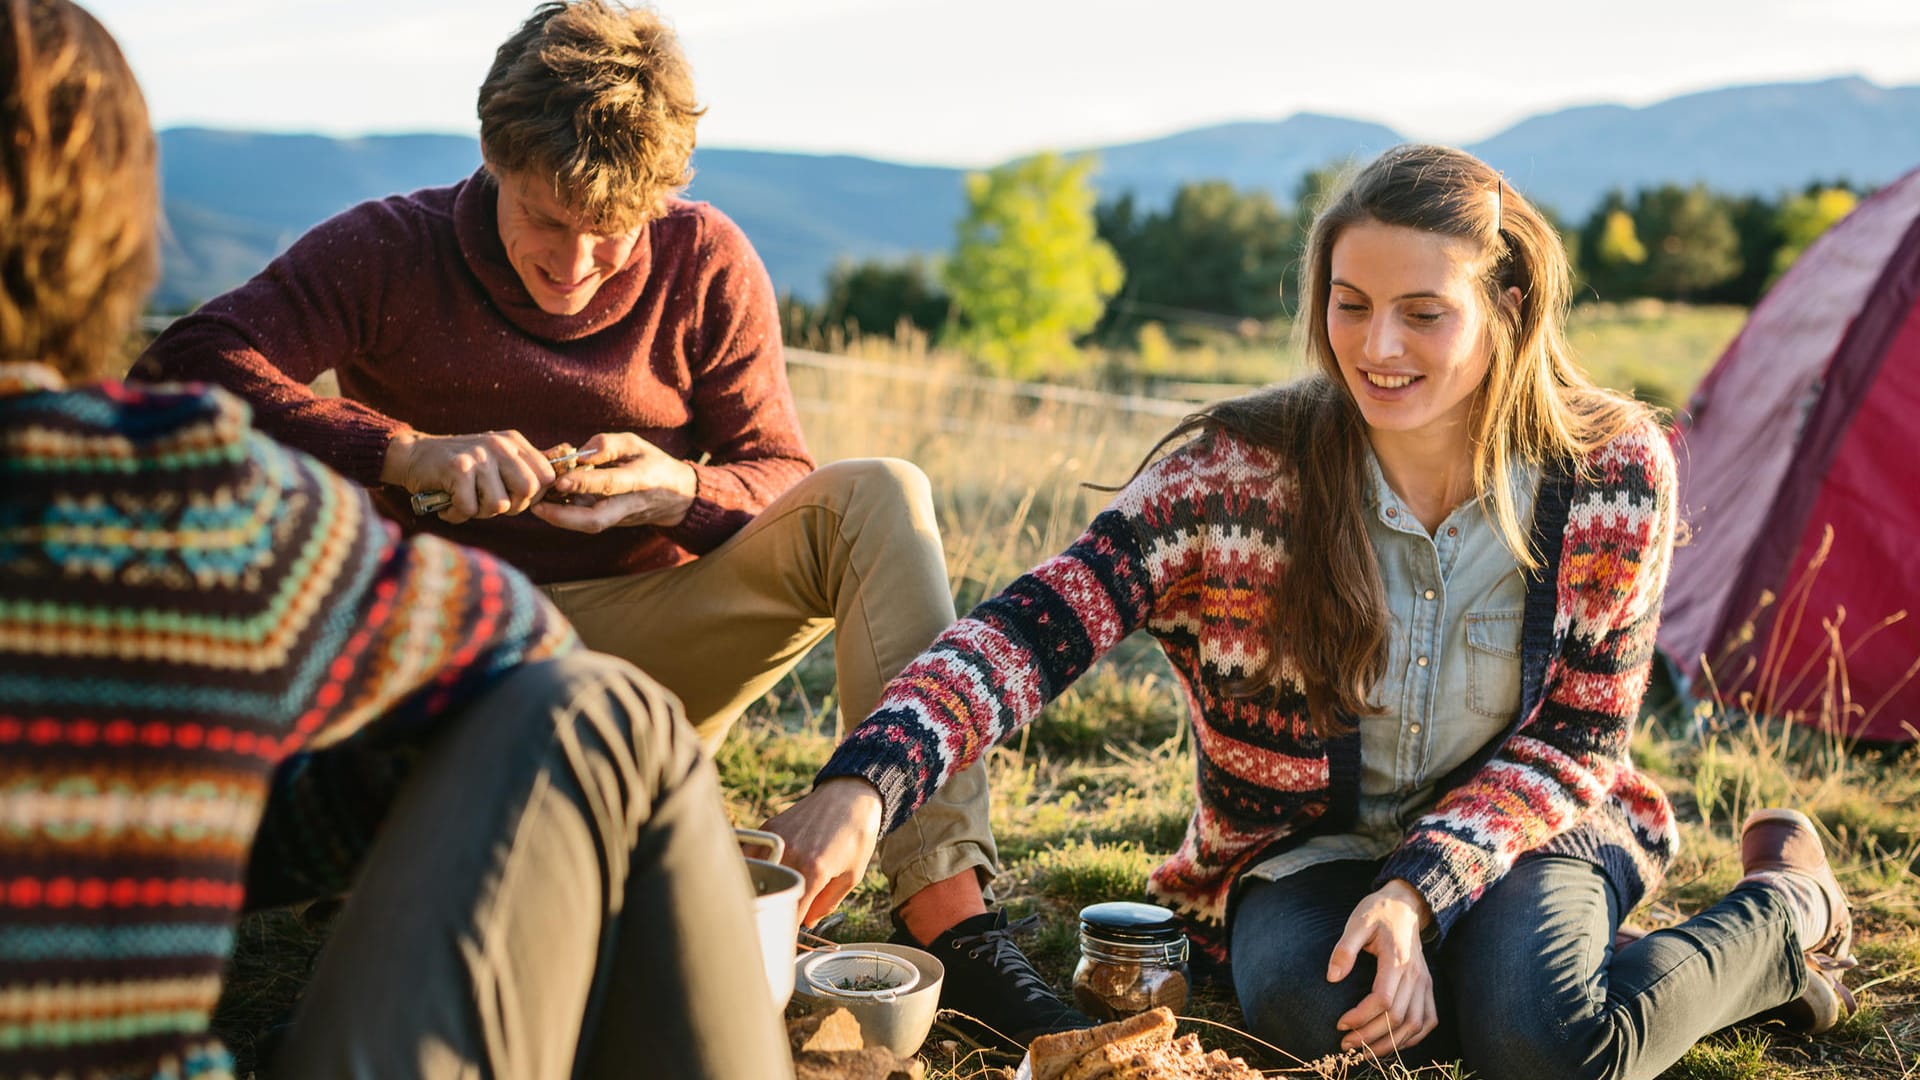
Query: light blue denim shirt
[{"x": 1453, "y": 664}]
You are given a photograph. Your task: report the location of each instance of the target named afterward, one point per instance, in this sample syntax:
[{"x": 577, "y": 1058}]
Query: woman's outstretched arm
[{"x": 992, "y": 672}]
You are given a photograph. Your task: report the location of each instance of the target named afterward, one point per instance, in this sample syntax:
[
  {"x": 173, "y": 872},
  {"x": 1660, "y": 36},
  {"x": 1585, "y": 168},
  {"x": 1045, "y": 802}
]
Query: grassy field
[{"x": 1096, "y": 792}]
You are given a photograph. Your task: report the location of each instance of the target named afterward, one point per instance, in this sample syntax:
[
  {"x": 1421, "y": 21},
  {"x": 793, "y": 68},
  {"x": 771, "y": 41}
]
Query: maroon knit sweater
[{"x": 412, "y": 301}]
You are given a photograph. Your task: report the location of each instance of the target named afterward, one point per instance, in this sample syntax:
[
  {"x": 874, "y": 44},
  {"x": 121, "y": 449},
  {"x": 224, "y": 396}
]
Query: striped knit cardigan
[
  {"x": 1189, "y": 551},
  {"x": 185, "y": 604}
]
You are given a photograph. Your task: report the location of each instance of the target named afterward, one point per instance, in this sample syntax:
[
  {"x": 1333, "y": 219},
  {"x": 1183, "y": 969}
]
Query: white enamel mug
[{"x": 776, "y": 910}]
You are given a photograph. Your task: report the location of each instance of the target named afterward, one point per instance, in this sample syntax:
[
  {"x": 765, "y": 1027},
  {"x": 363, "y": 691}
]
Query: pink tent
[{"x": 1799, "y": 588}]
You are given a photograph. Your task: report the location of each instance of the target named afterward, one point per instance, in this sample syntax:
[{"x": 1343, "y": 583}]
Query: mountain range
[{"x": 234, "y": 199}]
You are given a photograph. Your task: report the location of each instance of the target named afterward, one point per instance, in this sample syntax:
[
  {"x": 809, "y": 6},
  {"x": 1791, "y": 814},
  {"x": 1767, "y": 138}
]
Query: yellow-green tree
[
  {"x": 1804, "y": 217},
  {"x": 1619, "y": 244},
  {"x": 1029, "y": 274}
]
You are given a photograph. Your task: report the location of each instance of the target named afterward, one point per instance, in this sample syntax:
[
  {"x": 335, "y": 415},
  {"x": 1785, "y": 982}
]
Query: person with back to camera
[
  {"x": 199, "y": 626},
  {"x": 1412, "y": 599},
  {"x": 562, "y": 294}
]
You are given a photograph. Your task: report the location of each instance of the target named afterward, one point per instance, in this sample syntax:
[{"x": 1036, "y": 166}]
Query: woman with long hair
[{"x": 1412, "y": 600}]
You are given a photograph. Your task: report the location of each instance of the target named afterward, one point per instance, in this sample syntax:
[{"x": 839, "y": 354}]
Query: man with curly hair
[{"x": 562, "y": 294}]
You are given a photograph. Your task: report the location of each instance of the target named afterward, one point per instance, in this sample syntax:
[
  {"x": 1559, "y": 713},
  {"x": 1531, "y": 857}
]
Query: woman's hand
[
  {"x": 1399, "y": 1011},
  {"x": 830, "y": 837},
  {"x": 630, "y": 482}
]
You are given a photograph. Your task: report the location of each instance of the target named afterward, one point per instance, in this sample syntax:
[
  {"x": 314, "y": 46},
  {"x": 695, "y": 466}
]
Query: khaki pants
[
  {"x": 554, "y": 893},
  {"x": 852, "y": 549}
]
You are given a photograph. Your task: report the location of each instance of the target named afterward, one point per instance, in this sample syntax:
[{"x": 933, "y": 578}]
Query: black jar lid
[{"x": 1124, "y": 920}]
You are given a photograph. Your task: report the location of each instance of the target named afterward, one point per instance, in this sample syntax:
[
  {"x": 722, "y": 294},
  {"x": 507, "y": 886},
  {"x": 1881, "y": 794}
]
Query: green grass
[{"x": 1733, "y": 1055}]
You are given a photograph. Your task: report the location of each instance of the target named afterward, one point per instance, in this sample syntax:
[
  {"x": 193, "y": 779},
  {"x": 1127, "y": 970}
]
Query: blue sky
[{"x": 975, "y": 82}]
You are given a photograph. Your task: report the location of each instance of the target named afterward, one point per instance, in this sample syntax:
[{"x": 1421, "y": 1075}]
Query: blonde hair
[
  {"x": 597, "y": 99},
  {"x": 78, "y": 196}
]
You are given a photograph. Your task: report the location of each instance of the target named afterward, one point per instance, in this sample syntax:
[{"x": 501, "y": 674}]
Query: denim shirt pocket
[{"x": 1493, "y": 663}]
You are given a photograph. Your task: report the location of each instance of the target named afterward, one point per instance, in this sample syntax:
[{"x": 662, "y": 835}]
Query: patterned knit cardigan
[
  {"x": 1189, "y": 550},
  {"x": 185, "y": 604}
]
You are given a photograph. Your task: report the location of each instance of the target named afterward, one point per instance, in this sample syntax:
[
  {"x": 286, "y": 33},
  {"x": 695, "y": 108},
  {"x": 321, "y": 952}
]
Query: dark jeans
[
  {"x": 1528, "y": 984},
  {"x": 556, "y": 892}
]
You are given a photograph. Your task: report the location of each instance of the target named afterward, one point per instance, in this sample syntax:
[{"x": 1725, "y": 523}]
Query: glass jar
[{"x": 1133, "y": 957}]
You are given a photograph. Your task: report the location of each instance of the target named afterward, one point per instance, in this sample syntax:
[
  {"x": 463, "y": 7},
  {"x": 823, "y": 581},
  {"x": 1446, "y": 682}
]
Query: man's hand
[
  {"x": 1399, "y": 1011},
  {"x": 487, "y": 475},
  {"x": 632, "y": 482},
  {"x": 830, "y": 837}
]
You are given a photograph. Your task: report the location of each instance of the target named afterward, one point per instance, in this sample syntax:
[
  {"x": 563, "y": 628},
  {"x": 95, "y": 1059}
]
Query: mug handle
[{"x": 748, "y": 838}]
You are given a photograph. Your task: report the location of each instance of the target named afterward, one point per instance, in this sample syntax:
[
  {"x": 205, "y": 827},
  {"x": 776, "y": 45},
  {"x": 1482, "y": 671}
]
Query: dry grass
[
  {"x": 1091, "y": 796},
  {"x": 1008, "y": 460}
]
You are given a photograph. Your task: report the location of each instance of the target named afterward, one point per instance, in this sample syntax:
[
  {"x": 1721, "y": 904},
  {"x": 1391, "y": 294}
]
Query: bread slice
[
  {"x": 1099, "y": 1063},
  {"x": 1052, "y": 1055},
  {"x": 1103, "y": 1062}
]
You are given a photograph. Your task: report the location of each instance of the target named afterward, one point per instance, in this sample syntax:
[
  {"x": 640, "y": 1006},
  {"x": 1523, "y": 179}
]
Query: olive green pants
[
  {"x": 554, "y": 893},
  {"x": 852, "y": 549}
]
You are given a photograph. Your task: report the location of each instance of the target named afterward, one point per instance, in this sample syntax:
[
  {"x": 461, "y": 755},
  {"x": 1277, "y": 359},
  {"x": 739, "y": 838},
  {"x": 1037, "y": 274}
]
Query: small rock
[
  {"x": 824, "y": 1032},
  {"x": 828, "y": 1046}
]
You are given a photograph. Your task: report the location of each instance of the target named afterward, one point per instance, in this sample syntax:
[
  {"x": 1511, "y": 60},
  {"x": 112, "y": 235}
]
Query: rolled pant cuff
[{"x": 939, "y": 865}]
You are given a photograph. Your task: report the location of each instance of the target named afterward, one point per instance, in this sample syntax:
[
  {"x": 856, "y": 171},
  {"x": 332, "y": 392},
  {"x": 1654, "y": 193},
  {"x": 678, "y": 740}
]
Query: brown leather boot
[{"x": 1784, "y": 841}]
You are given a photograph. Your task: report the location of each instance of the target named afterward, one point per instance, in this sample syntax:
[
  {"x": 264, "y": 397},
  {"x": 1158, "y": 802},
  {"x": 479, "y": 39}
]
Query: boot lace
[{"x": 997, "y": 948}]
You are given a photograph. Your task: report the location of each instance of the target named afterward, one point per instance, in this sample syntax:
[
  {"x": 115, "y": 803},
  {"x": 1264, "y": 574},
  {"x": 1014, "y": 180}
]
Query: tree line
[{"x": 1040, "y": 266}]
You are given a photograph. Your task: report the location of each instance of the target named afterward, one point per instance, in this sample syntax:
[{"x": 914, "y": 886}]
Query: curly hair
[
  {"x": 79, "y": 203},
  {"x": 598, "y": 98}
]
